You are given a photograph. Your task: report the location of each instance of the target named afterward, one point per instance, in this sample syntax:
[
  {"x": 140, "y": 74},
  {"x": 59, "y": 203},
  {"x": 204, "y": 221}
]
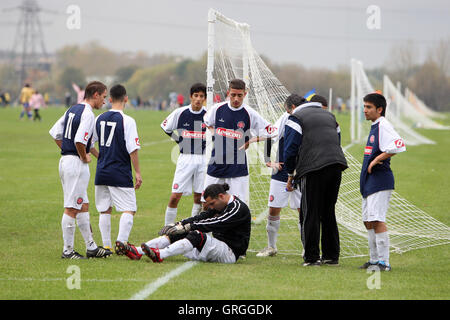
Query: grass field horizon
[{"x": 31, "y": 211}]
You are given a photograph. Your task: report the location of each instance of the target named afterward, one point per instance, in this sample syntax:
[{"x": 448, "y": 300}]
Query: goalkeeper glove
[
  {"x": 164, "y": 229},
  {"x": 178, "y": 229}
]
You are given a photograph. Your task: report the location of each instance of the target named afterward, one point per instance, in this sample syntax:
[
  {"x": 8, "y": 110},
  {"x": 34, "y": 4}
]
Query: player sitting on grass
[
  {"x": 377, "y": 180},
  {"x": 227, "y": 217}
]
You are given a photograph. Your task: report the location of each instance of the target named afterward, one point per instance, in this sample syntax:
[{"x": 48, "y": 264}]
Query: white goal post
[{"x": 361, "y": 86}]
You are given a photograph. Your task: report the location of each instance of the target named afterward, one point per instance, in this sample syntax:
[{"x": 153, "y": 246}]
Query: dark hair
[
  {"x": 237, "y": 84},
  {"x": 117, "y": 92},
  {"x": 92, "y": 88},
  {"x": 294, "y": 99},
  {"x": 213, "y": 190},
  {"x": 322, "y": 100},
  {"x": 198, "y": 87},
  {"x": 378, "y": 100}
]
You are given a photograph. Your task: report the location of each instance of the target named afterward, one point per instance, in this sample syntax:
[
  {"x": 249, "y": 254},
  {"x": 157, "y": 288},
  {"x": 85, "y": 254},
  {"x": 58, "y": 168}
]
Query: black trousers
[
  {"x": 319, "y": 195},
  {"x": 36, "y": 115}
]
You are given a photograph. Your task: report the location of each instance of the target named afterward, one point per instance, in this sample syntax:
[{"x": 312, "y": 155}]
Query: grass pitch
[{"x": 30, "y": 229}]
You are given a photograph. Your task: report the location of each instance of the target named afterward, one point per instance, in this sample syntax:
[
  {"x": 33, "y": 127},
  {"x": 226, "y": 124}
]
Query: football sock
[
  {"x": 171, "y": 215},
  {"x": 84, "y": 225},
  {"x": 125, "y": 226},
  {"x": 382, "y": 239},
  {"x": 104, "y": 224},
  {"x": 273, "y": 224},
  {"x": 196, "y": 209},
  {"x": 160, "y": 242},
  {"x": 179, "y": 247},
  {"x": 68, "y": 230},
  {"x": 139, "y": 250},
  {"x": 373, "y": 252}
]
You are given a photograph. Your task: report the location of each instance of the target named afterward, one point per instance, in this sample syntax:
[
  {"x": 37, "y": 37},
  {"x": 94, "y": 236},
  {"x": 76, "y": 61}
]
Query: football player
[
  {"x": 73, "y": 133},
  {"x": 186, "y": 127},
  {"x": 118, "y": 143}
]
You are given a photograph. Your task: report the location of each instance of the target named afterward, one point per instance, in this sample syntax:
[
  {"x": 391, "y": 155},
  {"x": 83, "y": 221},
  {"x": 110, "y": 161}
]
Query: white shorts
[
  {"x": 238, "y": 186},
  {"x": 213, "y": 251},
  {"x": 124, "y": 199},
  {"x": 189, "y": 174},
  {"x": 280, "y": 198},
  {"x": 376, "y": 205},
  {"x": 74, "y": 175}
]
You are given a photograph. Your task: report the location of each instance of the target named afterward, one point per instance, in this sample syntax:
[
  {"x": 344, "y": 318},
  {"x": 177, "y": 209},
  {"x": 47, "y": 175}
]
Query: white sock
[
  {"x": 273, "y": 224},
  {"x": 84, "y": 225},
  {"x": 196, "y": 209},
  {"x": 139, "y": 250},
  {"x": 160, "y": 242},
  {"x": 68, "y": 230},
  {"x": 373, "y": 252},
  {"x": 382, "y": 239},
  {"x": 179, "y": 247},
  {"x": 104, "y": 224},
  {"x": 125, "y": 225},
  {"x": 171, "y": 215}
]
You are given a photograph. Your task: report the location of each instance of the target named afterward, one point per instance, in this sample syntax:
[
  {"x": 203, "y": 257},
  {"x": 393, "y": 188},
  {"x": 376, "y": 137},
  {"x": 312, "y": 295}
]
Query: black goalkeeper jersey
[{"x": 231, "y": 225}]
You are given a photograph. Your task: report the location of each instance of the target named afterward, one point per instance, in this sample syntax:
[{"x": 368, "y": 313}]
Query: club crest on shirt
[
  {"x": 86, "y": 136},
  {"x": 137, "y": 142},
  {"x": 241, "y": 124},
  {"x": 372, "y": 139},
  {"x": 271, "y": 198},
  {"x": 164, "y": 122},
  {"x": 175, "y": 186},
  {"x": 80, "y": 200}
]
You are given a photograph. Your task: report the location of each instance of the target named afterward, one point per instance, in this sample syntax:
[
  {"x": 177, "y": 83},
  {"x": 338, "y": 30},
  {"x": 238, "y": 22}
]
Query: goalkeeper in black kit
[{"x": 227, "y": 217}]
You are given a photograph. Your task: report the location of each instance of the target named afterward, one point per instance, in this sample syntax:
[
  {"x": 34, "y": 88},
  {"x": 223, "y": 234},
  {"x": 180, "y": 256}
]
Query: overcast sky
[{"x": 320, "y": 33}]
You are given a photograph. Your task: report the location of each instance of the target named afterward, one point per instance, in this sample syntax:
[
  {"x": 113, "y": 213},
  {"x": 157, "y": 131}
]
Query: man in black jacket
[
  {"x": 312, "y": 149},
  {"x": 227, "y": 217}
]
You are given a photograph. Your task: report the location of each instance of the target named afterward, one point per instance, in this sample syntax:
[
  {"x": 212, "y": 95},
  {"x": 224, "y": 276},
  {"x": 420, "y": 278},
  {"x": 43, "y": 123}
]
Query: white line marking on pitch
[
  {"x": 153, "y": 286},
  {"x": 145, "y": 144},
  {"x": 348, "y": 146}
]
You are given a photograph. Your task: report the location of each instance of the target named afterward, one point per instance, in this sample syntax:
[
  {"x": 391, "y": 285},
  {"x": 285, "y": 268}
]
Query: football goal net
[{"x": 231, "y": 55}]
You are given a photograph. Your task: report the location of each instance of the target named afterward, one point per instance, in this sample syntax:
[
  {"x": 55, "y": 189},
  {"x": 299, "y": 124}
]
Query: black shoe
[
  {"x": 119, "y": 248},
  {"x": 383, "y": 266},
  {"x": 330, "y": 262},
  {"x": 73, "y": 255},
  {"x": 312, "y": 264},
  {"x": 99, "y": 252},
  {"x": 368, "y": 265},
  {"x": 152, "y": 253},
  {"x": 128, "y": 250}
]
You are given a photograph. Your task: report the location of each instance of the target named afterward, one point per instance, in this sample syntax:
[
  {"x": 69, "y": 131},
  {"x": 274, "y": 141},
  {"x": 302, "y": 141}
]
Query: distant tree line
[{"x": 154, "y": 77}]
